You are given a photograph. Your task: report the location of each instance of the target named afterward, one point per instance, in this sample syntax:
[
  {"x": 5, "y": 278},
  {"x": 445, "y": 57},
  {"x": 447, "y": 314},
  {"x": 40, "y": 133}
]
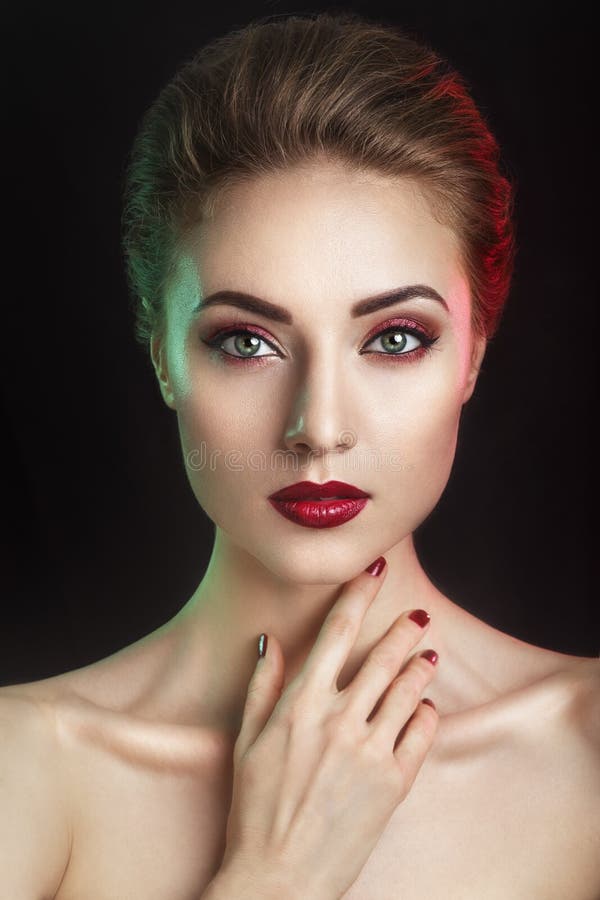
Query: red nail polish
[
  {"x": 431, "y": 655},
  {"x": 376, "y": 568},
  {"x": 420, "y": 617},
  {"x": 428, "y": 702}
]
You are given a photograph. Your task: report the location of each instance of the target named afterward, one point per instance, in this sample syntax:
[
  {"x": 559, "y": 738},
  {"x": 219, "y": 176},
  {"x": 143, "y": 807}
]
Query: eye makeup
[
  {"x": 401, "y": 326},
  {"x": 391, "y": 327}
]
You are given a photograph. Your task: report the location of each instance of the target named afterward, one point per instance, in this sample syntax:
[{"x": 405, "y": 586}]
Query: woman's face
[{"x": 281, "y": 405}]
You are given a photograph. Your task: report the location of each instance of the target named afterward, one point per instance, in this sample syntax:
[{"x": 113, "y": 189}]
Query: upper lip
[{"x": 310, "y": 490}]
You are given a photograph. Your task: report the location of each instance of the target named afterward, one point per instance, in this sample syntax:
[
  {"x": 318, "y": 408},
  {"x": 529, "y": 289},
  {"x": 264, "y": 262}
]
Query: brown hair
[{"x": 334, "y": 85}]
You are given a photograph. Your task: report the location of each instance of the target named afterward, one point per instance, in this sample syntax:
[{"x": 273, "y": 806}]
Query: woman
[{"x": 317, "y": 229}]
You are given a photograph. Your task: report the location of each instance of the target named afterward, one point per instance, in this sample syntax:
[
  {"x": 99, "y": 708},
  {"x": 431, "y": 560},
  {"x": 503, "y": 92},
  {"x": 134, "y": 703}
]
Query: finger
[
  {"x": 401, "y": 701},
  {"x": 416, "y": 741},
  {"x": 264, "y": 691},
  {"x": 384, "y": 662},
  {"x": 340, "y": 629}
]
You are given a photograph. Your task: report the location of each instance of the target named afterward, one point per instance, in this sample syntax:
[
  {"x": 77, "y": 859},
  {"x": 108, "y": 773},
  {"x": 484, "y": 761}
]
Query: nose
[{"x": 318, "y": 421}]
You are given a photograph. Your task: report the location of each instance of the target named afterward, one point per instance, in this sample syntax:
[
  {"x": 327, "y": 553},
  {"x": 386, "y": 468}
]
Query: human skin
[
  {"x": 118, "y": 776},
  {"x": 316, "y": 239}
]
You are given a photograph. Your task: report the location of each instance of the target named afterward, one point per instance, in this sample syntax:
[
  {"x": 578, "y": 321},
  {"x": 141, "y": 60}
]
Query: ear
[
  {"x": 477, "y": 354},
  {"x": 158, "y": 353}
]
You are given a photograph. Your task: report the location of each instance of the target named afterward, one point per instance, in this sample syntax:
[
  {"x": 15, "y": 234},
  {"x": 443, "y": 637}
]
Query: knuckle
[
  {"x": 407, "y": 626},
  {"x": 404, "y": 624},
  {"x": 294, "y": 705},
  {"x": 339, "y": 623},
  {"x": 411, "y": 682},
  {"x": 384, "y": 658},
  {"x": 371, "y": 751},
  {"x": 295, "y": 709},
  {"x": 339, "y": 732}
]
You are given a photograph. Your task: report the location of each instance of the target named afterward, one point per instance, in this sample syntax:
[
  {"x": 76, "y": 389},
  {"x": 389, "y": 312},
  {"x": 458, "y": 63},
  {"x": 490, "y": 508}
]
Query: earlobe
[
  {"x": 158, "y": 355},
  {"x": 477, "y": 354}
]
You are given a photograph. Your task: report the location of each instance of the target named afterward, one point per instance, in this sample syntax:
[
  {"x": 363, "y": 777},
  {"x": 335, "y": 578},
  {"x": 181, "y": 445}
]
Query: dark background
[{"x": 105, "y": 540}]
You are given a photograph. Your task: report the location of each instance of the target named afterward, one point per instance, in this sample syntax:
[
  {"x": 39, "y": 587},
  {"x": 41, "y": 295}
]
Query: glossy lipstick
[{"x": 319, "y": 505}]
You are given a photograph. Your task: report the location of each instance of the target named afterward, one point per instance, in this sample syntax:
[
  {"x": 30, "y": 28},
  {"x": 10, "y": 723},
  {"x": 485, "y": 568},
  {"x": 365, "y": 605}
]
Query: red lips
[
  {"x": 310, "y": 490},
  {"x": 315, "y": 505}
]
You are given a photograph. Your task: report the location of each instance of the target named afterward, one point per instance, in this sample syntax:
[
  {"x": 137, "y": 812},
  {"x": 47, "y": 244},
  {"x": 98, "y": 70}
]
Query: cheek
[
  {"x": 225, "y": 437},
  {"x": 433, "y": 432},
  {"x": 223, "y": 453},
  {"x": 421, "y": 445},
  {"x": 420, "y": 416}
]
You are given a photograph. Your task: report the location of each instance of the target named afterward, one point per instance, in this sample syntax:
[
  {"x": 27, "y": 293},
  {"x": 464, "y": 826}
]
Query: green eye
[
  {"x": 399, "y": 341},
  {"x": 402, "y": 341}
]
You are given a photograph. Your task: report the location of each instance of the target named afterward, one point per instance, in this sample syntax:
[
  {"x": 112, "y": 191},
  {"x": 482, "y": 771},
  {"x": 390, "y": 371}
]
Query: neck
[{"x": 216, "y": 634}]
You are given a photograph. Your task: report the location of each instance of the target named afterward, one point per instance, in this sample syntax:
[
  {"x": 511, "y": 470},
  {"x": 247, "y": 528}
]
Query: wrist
[{"x": 230, "y": 884}]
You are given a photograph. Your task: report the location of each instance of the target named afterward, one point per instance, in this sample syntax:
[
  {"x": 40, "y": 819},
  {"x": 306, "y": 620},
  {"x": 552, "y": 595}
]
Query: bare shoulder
[
  {"x": 579, "y": 753},
  {"x": 572, "y": 741},
  {"x": 569, "y": 698},
  {"x": 27, "y": 725},
  {"x": 583, "y": 682},
  {"x": 35, "y": 836}
]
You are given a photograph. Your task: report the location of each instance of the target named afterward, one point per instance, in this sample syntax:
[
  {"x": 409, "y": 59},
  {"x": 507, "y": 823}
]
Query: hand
[{"x": 318, "y": 772}]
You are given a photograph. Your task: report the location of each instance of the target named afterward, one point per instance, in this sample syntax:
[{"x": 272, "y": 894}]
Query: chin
[{"x": 328, "y": 562}]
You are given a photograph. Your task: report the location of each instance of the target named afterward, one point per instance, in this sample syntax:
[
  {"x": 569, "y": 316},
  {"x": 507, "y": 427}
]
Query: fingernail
[
  {"x": 428, "y": 702},
  {"x": 420, "y": 617},
  {"x": 376, "y": 568},
  {"x": 431, "y": 655},
  {"x": 262, "y": 645}
]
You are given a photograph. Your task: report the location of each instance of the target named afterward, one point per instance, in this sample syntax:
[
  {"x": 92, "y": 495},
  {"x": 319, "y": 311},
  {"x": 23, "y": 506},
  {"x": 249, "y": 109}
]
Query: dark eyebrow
[{"x": 279, "y": 314}]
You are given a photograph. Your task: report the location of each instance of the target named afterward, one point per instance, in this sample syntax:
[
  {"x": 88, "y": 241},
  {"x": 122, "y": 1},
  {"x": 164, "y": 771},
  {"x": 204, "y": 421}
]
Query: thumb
[{"x": 264, "y": 691}]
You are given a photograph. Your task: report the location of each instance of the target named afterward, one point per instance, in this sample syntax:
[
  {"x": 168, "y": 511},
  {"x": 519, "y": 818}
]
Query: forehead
[{"x": 319, "y": 230}]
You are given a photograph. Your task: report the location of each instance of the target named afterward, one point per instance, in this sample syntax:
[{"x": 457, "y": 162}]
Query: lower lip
[{"x": 320, "y": 513}]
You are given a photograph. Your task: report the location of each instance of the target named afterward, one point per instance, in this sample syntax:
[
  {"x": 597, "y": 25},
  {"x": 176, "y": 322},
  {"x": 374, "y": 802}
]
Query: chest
[
  {"x": 499, "y": 829},
  {"x": 510, "y": 825}
]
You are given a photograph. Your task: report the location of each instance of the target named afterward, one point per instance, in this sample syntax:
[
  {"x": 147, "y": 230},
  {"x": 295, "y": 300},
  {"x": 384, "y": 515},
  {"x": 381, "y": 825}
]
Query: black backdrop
[{"x": 104, "y": 539}]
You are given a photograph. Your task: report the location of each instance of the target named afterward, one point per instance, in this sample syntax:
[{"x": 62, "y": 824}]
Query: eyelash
[{"x": 410, "y": 356}]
